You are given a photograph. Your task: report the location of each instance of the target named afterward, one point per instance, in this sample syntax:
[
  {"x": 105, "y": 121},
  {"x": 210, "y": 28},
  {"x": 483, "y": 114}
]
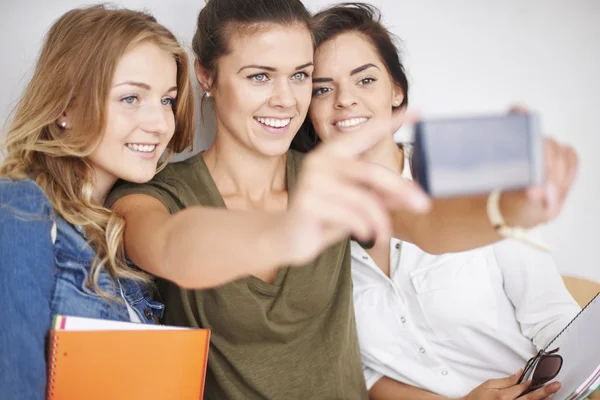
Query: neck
[
  {"x": 388, "y": 154},
  {"x": 239, "y": 171},
  {"x": 102, "y": 185}
]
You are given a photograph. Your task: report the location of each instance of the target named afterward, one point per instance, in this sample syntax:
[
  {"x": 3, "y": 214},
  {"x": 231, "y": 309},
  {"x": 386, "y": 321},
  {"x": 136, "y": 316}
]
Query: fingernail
[
  {"x": 555, "y": 386},
  {"x": 551, "y": 196}
]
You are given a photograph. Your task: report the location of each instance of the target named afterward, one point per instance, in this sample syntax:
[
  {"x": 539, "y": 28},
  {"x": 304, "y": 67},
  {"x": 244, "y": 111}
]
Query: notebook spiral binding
[
  {"x": 52, "y": 364},
  {"x": 569, "y": 324}
]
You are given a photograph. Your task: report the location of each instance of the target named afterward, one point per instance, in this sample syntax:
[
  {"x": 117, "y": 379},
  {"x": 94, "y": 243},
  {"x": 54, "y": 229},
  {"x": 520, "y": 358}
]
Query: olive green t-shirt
[{"x": 293, "y": 339}]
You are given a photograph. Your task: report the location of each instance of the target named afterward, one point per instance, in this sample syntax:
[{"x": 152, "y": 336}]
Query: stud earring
[
  {"x": 207, "y": 93},
  {"x": 63, "y": 124}
]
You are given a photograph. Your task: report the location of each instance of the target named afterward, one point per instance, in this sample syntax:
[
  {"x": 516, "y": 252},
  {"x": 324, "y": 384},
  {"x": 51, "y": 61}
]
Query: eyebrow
[
  {"x": 264, "y": 67},
  {"x": 362, "y": 68},
  {"x": 144, "y": 85},
  {"x": 353, "y": 72},
  {"x": 321, "y": 80}
]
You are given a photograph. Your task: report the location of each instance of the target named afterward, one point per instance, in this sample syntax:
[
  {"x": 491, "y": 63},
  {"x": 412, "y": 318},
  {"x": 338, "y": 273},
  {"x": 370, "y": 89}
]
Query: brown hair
[
  {"x": 364, "y": 19},
  {"x": 219, "y": 18},
  {"x": 76, "y": 64}
]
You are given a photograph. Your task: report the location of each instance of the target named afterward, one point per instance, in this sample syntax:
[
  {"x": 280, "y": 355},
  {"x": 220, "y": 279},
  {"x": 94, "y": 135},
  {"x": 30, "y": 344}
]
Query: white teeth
[
  {"x": 350, "y": 122},
  {"x": 274, "y": 122},
  {"x": 143, "y": 148}
]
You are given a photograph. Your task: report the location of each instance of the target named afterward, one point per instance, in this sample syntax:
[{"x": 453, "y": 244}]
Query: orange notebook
[{"x": 98, "y": 359}]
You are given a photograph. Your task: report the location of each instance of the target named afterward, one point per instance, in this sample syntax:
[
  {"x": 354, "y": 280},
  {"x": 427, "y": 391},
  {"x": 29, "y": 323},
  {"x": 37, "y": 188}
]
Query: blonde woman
[{"x": 110, "y": 93}]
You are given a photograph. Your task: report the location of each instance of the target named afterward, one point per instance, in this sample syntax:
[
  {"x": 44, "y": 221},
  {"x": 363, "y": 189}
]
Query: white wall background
[{"x": 463, "y": 56}]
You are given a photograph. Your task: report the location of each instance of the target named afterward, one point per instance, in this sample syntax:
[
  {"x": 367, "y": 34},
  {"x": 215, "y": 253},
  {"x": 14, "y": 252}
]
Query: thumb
[
  {"x": 401, "y": 116},
  {"x": 507, "y": 382}
]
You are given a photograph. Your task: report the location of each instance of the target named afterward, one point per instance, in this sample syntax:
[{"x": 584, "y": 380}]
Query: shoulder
[
  {"x": 166, "y": 186},
  {"x": 180, "y": 168},
  {"x": 23, "y": 196}
]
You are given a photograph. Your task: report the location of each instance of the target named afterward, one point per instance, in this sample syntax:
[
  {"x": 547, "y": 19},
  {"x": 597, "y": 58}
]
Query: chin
[
  {"x": 271, "y": 148},
  {"x": 274, "y": 149},
  {"x": 140, "y": 176}
]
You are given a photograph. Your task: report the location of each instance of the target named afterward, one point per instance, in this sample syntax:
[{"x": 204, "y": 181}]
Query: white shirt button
[
  {"x": 444, "y": 372},
  {"x": 397, "y": 245},
  {"x": 365, "y": 257},
  {"x": 422, "y": 350},
  {"x": 403, "y": 320}
]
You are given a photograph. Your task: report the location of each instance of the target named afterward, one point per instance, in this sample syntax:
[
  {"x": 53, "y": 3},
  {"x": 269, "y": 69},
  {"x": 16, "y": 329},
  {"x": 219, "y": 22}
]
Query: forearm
[
  {"x": 460, "y": 224},
  {"x": 389, "y": 389},
  {"x": 207, "y": 247}
]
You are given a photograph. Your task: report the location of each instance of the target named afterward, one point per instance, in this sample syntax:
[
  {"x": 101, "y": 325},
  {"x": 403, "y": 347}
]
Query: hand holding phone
[{"x": 476, "y": 155}]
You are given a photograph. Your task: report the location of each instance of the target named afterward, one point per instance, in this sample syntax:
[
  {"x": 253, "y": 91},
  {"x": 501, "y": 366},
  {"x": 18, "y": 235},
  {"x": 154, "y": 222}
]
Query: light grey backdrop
[{"x": 464, "y": 56}]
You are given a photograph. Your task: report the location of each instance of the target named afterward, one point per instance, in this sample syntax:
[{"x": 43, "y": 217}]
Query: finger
[
  {"x": 401, "y": 116},
  {"x": 412, "y": 117},
  {"x": 571, "y": 164},
  {"x": 398, "y": 118},
  {"x": 561, "y": 167},
  {"x": 542, "y": 392},
  {"x": 355, "y": 143},
  {"x": 340, "y": 222},
  {"x": 518, "y": 109},
  {"x": 395, "y": 190},
  {"x": 514, "y": 391},
  {"x": 550, "y": 198},
  {"x": 502, "y": 383},
  {"x": 537, "y": 193},
  {"x": 363, "y": 203},
  {"x": 560, "y": 184},
  {"x": 551, "y": 150}
]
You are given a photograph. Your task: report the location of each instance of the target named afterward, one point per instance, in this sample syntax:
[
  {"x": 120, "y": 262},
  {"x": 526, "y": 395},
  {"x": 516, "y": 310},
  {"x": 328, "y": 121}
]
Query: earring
[
  {"x": 397, "y": 103},
  {"x": 63, "y": 124},
  {"x": 207, "y": 93}
]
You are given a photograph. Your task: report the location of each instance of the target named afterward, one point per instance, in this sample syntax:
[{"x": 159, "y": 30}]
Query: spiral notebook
[
  {"x": 96, "y": 359},
  {"x": 579, "y": 345}
]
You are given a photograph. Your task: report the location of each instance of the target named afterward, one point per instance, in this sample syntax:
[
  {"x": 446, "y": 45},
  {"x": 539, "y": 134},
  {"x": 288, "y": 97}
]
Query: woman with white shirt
[{"x": 429, "y": 326}]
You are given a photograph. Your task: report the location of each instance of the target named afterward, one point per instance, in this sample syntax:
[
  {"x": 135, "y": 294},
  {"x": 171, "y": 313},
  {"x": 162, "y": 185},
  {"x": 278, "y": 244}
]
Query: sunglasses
[{"x": 541, "y": 369}]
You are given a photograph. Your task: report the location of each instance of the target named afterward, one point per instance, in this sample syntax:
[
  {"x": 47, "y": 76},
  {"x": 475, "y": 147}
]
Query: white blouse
[{"x": 448, "y": 323}]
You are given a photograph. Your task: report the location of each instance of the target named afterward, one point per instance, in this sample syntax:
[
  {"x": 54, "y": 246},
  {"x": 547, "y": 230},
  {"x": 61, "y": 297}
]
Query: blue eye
[
  {"x": 300, "y": 76},
  {"x": 168, "y": 101},
  {"x": 259, "y": 77},
  {"x": 321, "y": 91},
  {"x": 130, "y": 99}
]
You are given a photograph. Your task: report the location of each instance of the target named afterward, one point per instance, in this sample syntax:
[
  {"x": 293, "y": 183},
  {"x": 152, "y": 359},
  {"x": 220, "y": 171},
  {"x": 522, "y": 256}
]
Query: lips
[
  {"x": 142, "y": 148},
  {"x": 274, "y": 122},
  {"x": 350, "y": 122}
]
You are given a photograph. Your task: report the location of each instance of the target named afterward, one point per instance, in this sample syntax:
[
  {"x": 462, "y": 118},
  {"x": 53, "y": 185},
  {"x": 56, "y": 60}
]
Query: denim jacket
[{"x": 44, "y": 267}]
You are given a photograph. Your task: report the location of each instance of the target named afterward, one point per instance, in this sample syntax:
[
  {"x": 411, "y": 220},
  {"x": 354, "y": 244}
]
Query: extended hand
[{"x": 508, "y": 389}]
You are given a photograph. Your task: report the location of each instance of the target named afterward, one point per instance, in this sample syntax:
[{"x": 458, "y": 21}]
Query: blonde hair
[{"x": 76, "y": 64}]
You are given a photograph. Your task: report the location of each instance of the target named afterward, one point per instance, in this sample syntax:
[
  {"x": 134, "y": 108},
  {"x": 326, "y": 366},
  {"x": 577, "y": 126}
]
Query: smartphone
[{"x": 476, "y": 155}]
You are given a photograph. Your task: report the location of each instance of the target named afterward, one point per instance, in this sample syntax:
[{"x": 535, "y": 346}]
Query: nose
[
  {"x": 157, "y": 119},
  {"x": 345, "y": 98},
  {"x": 283, "y": 95}
]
